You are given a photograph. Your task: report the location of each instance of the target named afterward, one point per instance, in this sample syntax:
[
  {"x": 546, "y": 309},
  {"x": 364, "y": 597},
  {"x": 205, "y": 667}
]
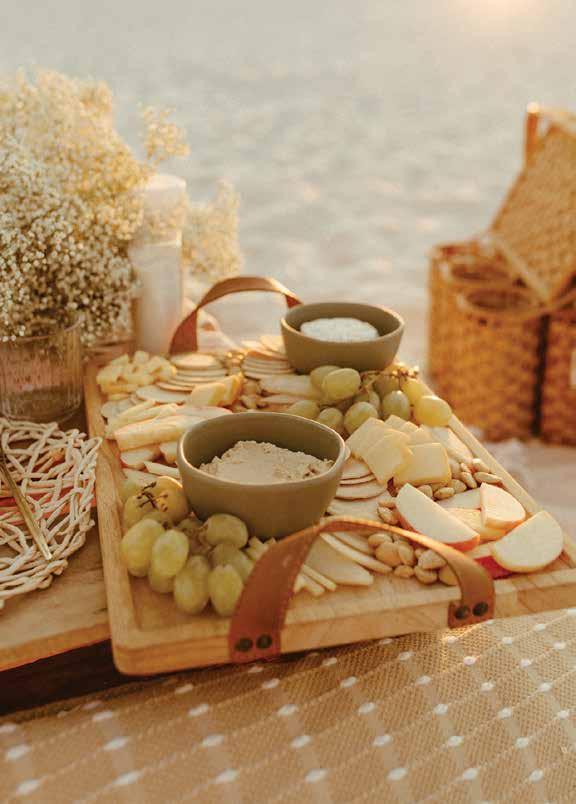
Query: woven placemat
[{"x": 481, "y": 714}]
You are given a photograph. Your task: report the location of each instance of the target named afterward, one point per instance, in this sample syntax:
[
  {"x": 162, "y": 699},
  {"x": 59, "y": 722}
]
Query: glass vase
[{"x": 41, "y": 376}]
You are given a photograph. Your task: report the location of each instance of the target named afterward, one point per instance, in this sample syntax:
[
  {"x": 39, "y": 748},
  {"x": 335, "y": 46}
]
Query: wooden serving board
[{"x": 149, "y": 635}]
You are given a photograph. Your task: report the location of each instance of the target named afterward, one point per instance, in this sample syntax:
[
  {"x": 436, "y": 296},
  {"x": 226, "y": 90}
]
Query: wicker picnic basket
[
  {"x": 491, "y": 297},
  {"x": 558, "y": 407}
]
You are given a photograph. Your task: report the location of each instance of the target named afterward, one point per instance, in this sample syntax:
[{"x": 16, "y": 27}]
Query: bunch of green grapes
[
  {"x": 197, "y": 563},
  {"x": 348, "y": 399}
]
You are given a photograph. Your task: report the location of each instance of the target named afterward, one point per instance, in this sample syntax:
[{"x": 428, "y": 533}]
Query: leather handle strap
[
  {"x": 185, "y": 339},
  {"x": 256, "y": 625}
]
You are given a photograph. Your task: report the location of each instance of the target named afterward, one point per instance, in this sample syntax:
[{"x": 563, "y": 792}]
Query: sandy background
[{"x": 358, "y": 133}]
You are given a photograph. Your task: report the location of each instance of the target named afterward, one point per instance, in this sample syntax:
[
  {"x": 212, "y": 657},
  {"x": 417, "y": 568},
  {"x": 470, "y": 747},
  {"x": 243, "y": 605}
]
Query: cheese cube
[
  {"x": 421, "y": 435},
  {"x": 386, "y": 457},
  {"x": 428, "y": 464},
  {"x": 212, "y": 393}
]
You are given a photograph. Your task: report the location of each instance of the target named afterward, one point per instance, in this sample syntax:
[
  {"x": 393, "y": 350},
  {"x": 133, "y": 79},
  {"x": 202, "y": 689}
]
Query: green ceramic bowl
[
  {"x": 272, "y": 510},
  {"x": 305, "y": 353}
]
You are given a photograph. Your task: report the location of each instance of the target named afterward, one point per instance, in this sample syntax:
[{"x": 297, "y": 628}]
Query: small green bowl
[
  {"x": 305, "y": 353},
  {"x": 270, "y": 510}
]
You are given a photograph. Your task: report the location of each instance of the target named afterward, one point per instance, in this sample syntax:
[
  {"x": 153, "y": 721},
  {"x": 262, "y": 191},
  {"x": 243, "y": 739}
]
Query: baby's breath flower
[{"x": 70, "y": 202}]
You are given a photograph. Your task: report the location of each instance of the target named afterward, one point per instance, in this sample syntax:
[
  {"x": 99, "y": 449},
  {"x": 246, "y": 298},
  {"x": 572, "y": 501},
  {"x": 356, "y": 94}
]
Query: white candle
[{"x": 156, "y": 254}]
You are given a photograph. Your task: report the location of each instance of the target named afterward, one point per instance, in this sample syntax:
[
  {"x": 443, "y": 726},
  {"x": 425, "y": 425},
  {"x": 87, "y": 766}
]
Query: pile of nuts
[{"x": 407, "y": 561}]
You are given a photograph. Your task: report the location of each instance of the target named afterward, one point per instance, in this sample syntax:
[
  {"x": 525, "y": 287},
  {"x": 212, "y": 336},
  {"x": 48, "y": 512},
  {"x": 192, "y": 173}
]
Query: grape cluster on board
[
  {"x": 348, "y": 398},
  {"x": 197, "y": 563}
]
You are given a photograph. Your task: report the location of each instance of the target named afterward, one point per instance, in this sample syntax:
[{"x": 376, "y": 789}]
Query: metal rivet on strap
[
  {"x": 244, "y": 644},
  {"x": 264, "y": 641},
  {"x": 462, "y": 613},
  {"x": 480, "y": 609}
]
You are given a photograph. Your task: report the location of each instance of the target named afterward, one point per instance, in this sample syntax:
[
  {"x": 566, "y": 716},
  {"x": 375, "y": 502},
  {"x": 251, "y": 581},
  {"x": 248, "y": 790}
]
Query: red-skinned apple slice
[
  {"x": 531, "y": 546},
  {"x": 423, "y": 515},
  {"x": 499, "y": 508}
]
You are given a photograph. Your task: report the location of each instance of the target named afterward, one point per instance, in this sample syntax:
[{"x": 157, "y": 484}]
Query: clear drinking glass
[{"x": 41, "y": 376}]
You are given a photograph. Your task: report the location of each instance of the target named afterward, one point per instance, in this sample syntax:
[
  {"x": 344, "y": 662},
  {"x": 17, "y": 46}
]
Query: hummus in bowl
[{"x": 276, "y": 472}]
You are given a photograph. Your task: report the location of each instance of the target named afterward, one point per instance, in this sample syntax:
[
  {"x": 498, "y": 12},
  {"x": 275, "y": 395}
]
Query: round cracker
[
  {"x": 359, "y": 491},
  {"x": 274, "y": 343},
  {"x": 194, "y": 360},
  {"x": 357, "y": 481},
  {"x": 354, "y": 469}
]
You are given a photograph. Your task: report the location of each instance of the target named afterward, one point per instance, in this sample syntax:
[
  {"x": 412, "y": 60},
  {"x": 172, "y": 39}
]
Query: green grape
[
  {"x": 341, "y": 384},
  {"x": 226, "y": 553},
  {"x": 368, "y": 395},
  {"x": 129, "y": 489},
  {"x": 413, "y": 388},
  {"x": 432, "y": 411},
  {"x": 135, "y": 509},
  {"x": 192, "y": 526},
  {"x": 225, "y": 587},
  {"x": 396, "y": 403},
  {"x": 331, "y": 417},
  {"x": 160, "y": 583},
  {"x": 305, "y": 408},
  {"x": 137, "y": 544},
  {"x": 317, "y": 375},
  {"x": 386, "y": 383},
  {"x": 161, "y": 517},
  {"x": 169, "y": 553},
  {"x": 224, "y": 528},
  {"x": 191, "y": 592},
  {"x": 169, "y": 497},
  {"x": 357, "y": 415}
]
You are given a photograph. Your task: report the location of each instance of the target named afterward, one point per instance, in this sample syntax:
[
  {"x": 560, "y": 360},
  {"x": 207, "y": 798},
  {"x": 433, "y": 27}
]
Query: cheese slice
[
  {"x": 387, "y": 457},
  {"x": 420, "y": 435},
  {"x": 394, "y": 422},
  {"x": 428, "y": 464},
  {"x": 409, "y": 428},
  {"x": 368, "y": 430},
  {"x": 455, "y": 447}
]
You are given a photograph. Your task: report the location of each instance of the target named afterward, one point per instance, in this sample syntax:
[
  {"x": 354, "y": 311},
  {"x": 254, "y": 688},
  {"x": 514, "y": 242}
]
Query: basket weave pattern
[
  {"x": 536, "y": 227},
  {"x": 490, "y": 363},
  {"x": 558, "y": 412},
  {"x": 495, "y": 365}
]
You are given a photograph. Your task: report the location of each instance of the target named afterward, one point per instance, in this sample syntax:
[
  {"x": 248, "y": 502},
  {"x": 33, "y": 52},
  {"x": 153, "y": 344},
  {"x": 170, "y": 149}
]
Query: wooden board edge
[{"x": 39, "y": 649}]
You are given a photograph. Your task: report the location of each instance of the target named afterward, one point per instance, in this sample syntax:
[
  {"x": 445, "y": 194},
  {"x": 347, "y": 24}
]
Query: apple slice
[
  {"x": 464, "y": 499},
  {"x": 531, "y": 546},
  {"x": 424, "y": 516},
  {"x": 474, "y": 520},
  {"x": 499, "y": 508},
  {"x": 136, "y": 458}
]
